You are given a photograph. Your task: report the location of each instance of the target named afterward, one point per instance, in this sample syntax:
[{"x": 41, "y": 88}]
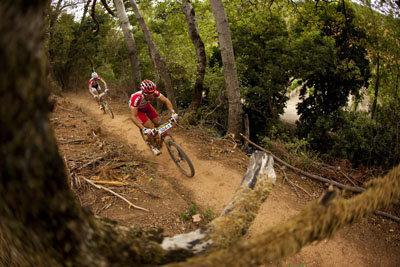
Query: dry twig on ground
[
  {"x": 286, "y": 178},
  {"x": 356, "y": 189},
  {"x": 114, "y": 193}
]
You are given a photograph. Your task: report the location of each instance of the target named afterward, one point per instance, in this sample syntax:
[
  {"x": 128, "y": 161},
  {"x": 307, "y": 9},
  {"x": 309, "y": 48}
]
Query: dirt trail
[{"x": 214, "y": 184}]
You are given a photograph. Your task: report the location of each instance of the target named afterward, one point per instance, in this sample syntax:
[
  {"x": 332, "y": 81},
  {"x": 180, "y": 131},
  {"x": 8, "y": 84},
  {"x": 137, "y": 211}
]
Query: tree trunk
[
  {"x": 107, "y": 7},
  {"x": 54, "y": 14},
  {"x": 158, "y": 61},
  {"x": 64, "y": 79},
  {"x": 130, "y": 42},
  {"x": 376, "y": 87},
  {"x": 40, "y": 219},
  {"x": 230, "y": 74},
  {"x": 200, "y": 53},
  {"x": 85, "y": 10},
  {"x": 52, "y": 18}
]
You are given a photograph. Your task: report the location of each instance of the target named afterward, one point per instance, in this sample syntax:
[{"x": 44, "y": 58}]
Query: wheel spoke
[{"x": 180, "y": 159}]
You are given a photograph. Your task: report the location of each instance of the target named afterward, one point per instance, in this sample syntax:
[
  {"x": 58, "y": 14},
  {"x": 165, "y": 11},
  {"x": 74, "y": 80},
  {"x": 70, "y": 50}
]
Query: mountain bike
[
  {"x": 105, "y": 106},
  {"x": 161, "y": 135}
]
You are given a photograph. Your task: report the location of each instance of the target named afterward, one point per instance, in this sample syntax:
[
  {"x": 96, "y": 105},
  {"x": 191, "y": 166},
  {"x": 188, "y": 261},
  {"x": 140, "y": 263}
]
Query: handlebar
[{"x": 155, "y": 131}]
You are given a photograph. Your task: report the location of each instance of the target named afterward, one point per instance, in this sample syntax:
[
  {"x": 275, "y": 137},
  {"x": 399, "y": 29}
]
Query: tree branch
[
  {"x": 93, "y": 14},
  {"x": 237, "y": 216},
  {"x": 356, "y": 189},
  {"x": 316, "y": 222},
  {"x": 107, "y": 7},
  {"x": 115, "y": 194}
]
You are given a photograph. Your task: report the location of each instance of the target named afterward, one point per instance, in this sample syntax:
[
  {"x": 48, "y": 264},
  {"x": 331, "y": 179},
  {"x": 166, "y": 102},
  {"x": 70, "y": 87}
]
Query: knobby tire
[
  {"x": 182, "y": 158},
  {"x": 108, "y": 109}
]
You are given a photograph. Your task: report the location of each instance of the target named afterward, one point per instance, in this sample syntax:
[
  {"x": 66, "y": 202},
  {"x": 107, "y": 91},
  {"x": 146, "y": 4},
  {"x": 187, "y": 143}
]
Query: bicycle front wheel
[
  {"x": 108, "y": 110},
  {"x": 180, "y": 158}
]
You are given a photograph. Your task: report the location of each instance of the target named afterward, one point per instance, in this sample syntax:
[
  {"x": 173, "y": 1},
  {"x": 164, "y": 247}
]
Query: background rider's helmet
[
  {"x": 148, "y": 87},
  {"x": 95, "y": 75}
]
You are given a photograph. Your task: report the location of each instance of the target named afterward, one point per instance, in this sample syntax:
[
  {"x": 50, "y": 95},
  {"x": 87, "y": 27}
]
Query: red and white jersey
[
  {"x": 94, "y": 82},
  {"x": 137, "y": 99}
]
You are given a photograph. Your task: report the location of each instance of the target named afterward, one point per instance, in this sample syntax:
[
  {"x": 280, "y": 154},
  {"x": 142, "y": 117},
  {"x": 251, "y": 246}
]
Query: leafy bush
[
  {"x": 358, "y": 138},
  {"x": 370, "y": 141},
  {"x": 355, "y": 141}
]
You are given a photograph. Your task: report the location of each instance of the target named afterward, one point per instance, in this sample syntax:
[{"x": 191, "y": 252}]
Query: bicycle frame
[
  {"x": 106, "y": 107},
  {"x": 161, "y": 132},
  {"x": 162, "y": 135}
]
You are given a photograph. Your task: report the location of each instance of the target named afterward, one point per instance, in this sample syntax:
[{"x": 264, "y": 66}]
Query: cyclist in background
[{"x": 95, "y": 88}]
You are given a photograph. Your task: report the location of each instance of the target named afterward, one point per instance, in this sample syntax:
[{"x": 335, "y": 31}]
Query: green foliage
[
  {"x": 74, "y": 49},
  {"x": 368, "y": 141},
  {"x": 208, "y": 215},
  {"x": 338, "y": 49},
  {"x": 383, "y": 34},
  {"x": 192, "y": 210},
  {"x": 261, "y": 41}
]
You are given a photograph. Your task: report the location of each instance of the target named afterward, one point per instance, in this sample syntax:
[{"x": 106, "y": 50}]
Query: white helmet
[{"x": 95, "y": 75}]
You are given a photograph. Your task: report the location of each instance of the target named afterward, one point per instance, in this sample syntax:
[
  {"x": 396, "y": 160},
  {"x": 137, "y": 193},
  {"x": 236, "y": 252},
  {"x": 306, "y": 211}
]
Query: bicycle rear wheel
[
  {"x": 108, "y": 109},
  {"x": 180, "y": 158}
]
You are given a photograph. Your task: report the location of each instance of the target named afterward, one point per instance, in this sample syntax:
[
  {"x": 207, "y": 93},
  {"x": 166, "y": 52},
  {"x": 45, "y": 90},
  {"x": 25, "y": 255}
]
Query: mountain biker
[
  {"x": 144, "y": 114},
  {"x": 95, "y": 88}
]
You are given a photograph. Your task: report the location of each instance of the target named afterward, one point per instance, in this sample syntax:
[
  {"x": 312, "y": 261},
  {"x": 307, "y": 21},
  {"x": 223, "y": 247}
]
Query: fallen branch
[
  {"x": 236, "y": 217},
  {"x": 114, "y": 183},
  {"x": 339, "y": 171},
  {"x": 87, "y": 164},
  {"x": 356, "y": 189},
  {"x": 115, "y": 194},
  {"x": 286, "y": 179},
  {"x": 293, "y": 184},
  {"x": 103, "y": 208},
  {"x": 77, "y": 141},
  {"x": 390, "y": 216},
  {"x": 318, "y": 221}
]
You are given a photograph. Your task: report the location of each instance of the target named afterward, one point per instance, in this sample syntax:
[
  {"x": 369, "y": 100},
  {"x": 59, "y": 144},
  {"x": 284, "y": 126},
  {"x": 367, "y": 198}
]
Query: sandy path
[{"x": 214, "y": 184}]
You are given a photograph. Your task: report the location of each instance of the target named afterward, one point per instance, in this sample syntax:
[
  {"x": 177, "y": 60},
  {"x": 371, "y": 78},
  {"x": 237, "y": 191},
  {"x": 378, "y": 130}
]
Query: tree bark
[
  {"x": 40, "y": 221},
  {"x": 318, "y": 221},
  {"x": 230, "y": 73},
  {"x": 237, "y": 216},
  {"x": 94, "y": 17},
  {"x": 130, "y": 42},
  {"x": 158, "y": 61},
  {"x": 85, "y": 10},
  {"x": 54, "y": 14},
  {"x": 200, "y": 53},
  {"x": 107, "y": 7},
  {"x": 65, "y": 78}
]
